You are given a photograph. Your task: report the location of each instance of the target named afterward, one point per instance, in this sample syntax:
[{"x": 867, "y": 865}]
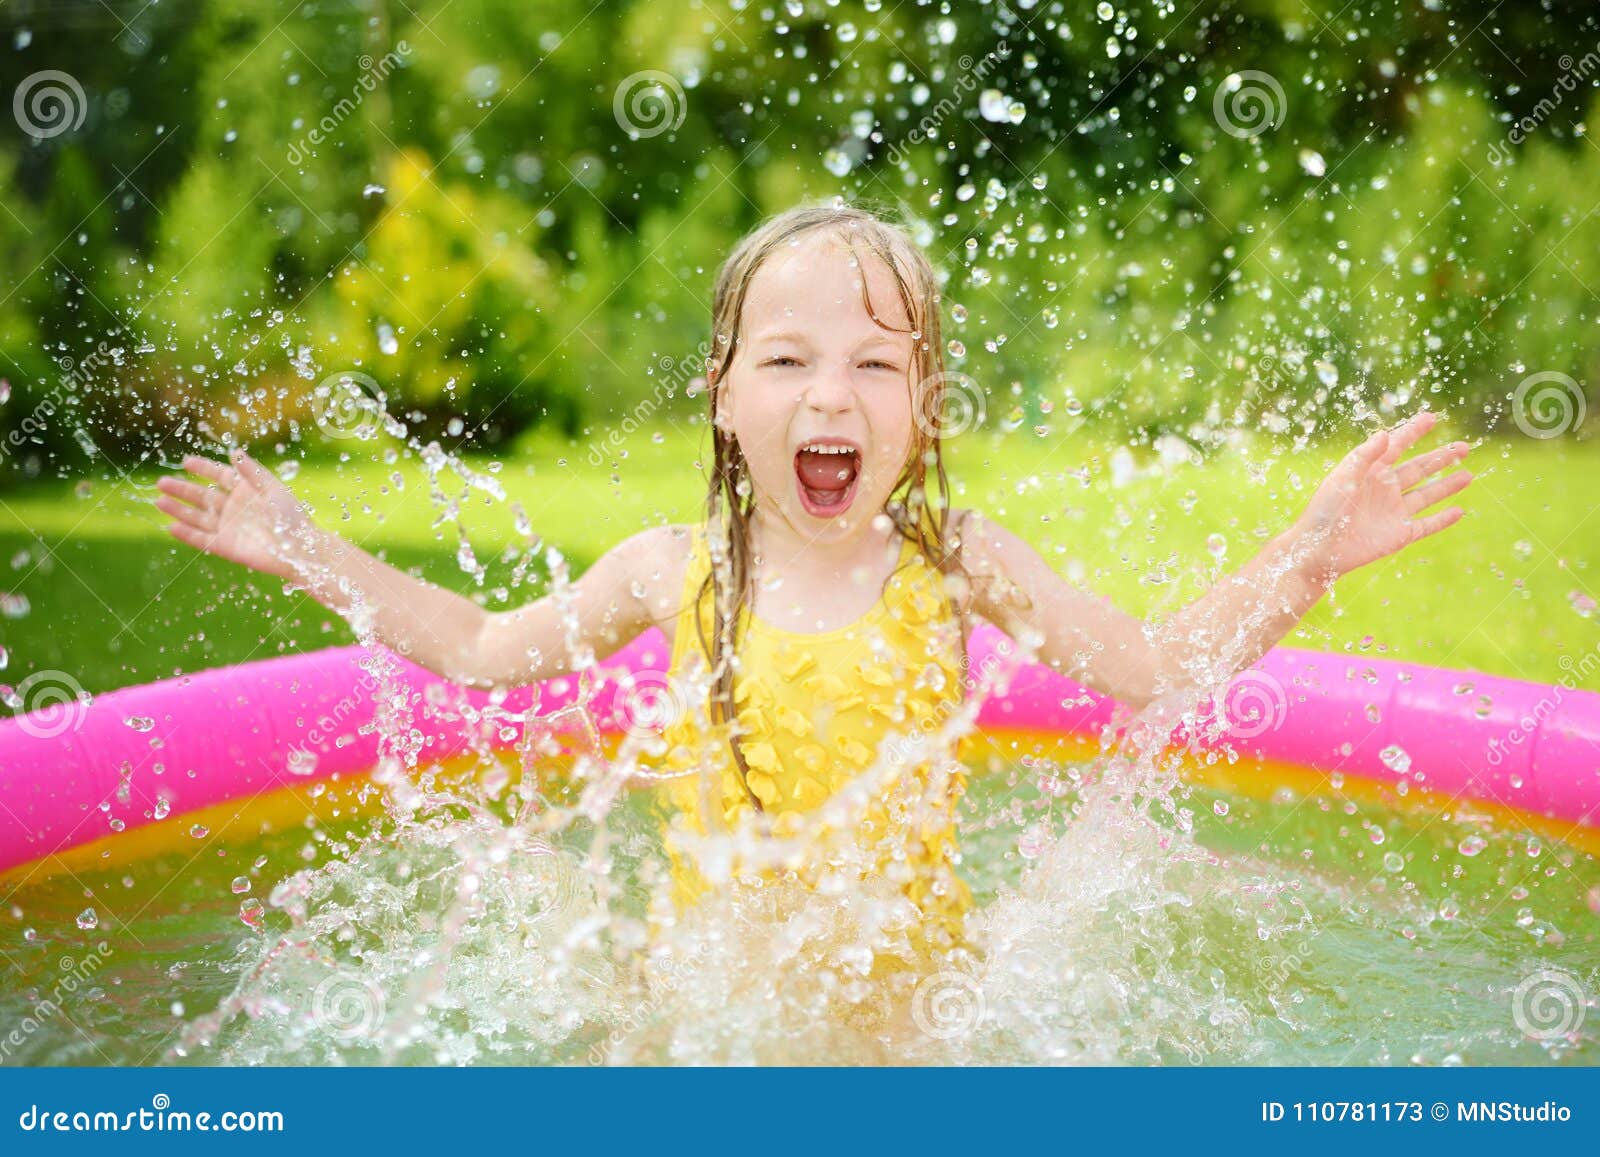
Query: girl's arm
[
  {"x": 248, "y": 516},
  {"x": 1367, "y": 508}
]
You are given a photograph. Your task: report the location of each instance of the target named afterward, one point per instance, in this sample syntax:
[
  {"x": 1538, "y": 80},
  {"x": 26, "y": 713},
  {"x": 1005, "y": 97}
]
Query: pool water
[{"x": 1245, "y": 916}]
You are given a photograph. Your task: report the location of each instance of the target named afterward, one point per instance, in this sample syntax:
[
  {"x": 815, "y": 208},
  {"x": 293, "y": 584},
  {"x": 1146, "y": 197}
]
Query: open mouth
[{"x": 826, "y": 473}]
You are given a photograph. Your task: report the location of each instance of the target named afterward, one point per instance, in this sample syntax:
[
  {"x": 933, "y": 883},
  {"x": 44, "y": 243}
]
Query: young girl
[{"x": 824, "y": 603}]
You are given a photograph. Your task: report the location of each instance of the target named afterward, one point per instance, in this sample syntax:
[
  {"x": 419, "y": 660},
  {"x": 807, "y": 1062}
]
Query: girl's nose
[{"x": 830, "y": 391}]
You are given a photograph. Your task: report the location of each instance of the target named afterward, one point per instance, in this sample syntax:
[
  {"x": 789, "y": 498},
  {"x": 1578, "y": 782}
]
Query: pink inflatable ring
[{"x": 157, "y": 752}]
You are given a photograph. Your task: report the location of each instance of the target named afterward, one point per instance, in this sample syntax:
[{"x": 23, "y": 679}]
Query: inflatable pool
[{"x": 156, "y": 754}]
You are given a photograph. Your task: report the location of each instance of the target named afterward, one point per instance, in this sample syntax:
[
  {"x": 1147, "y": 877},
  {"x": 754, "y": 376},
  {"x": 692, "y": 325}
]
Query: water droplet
[
  {"x": 162, "y": 809},
  {"x": 241, "y": 885},
  {"x": 387, "y": 342},
  {"x": 1393, "y": 862},
  {"x": 199, "y": 831},
  {"x": 837, "y": 162},
  {"x": 483, "y": 81},
  {"x": 1327, "y": 373},
  {"x": 140, "y": 722},
  {"x": 993, "y": 106},
  {"x": 253, "y": 912},
  {"x": 1376, "y": 834},
  {"x": 87, "y": 919},
  {"x": 1216, "y": 545},
  {"x": 5, "y": 391},
  {"x": 1220, "y": 807},
  {"x": 1472, "y": 845},
  {"x": 1104, "y": 10},
  {"x": 1396, "y": 758},
  {"x": 1311, "y": 161},
  {"x": 373, "y": 191}
]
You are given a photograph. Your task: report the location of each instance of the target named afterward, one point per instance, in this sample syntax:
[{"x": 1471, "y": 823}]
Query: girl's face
[{"x": 818, "y": 395}]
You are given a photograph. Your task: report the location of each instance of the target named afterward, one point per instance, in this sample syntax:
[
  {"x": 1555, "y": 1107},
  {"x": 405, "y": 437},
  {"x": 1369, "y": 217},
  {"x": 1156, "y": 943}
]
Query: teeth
[{"x": 828, "y": 449}]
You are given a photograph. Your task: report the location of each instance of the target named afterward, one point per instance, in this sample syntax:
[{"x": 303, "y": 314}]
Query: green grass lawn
[{"x": 111, "y": 600}]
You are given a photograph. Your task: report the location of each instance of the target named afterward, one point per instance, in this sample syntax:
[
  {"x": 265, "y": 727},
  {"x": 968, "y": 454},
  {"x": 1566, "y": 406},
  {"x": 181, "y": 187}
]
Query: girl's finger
[
  {"x": 1434, "y": 523},
  {"x": 193, "y": 516},
  {"x": 1426, "y": 465},
  {"x": 1369, "y": 451},
  {"x": 209, "y": 470},
  {"x": 1408, "y": 434},
  {"x": 252, "y": 471},
  {"x": 1436, "y": 491},
  {"x": 186, "y": 491},
  {"x": 188, "y": 535}
]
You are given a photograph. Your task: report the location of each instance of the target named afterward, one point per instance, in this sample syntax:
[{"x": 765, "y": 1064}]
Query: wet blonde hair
[{"x": 731, "y": 497}]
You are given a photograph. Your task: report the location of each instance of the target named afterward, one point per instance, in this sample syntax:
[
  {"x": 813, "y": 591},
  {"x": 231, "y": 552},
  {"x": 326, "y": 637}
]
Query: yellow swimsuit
[{"x": 814, "y": 710}]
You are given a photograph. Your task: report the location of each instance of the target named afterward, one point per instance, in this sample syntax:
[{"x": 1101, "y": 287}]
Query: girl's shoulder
[
  {"x": 978, "y": 544},
  {"x": 1001, "y": 573},
  {"x": 985, "y": 553},
  {"x": 656, "y": 561}
]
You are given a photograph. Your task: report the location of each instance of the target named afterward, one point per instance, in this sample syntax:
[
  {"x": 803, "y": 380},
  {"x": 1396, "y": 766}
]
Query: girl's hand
[
  {"x": 246, "y": 515},
  {"x": 1368, "y": 507}
]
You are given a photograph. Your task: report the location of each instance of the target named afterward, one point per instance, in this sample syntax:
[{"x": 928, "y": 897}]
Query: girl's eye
[
  {"x": 882, "y": 365},
  {"x": 781, "y": 360}
]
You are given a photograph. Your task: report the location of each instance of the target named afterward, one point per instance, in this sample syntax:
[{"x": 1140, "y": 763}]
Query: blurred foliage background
[{"x": 493, "y": 211}]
